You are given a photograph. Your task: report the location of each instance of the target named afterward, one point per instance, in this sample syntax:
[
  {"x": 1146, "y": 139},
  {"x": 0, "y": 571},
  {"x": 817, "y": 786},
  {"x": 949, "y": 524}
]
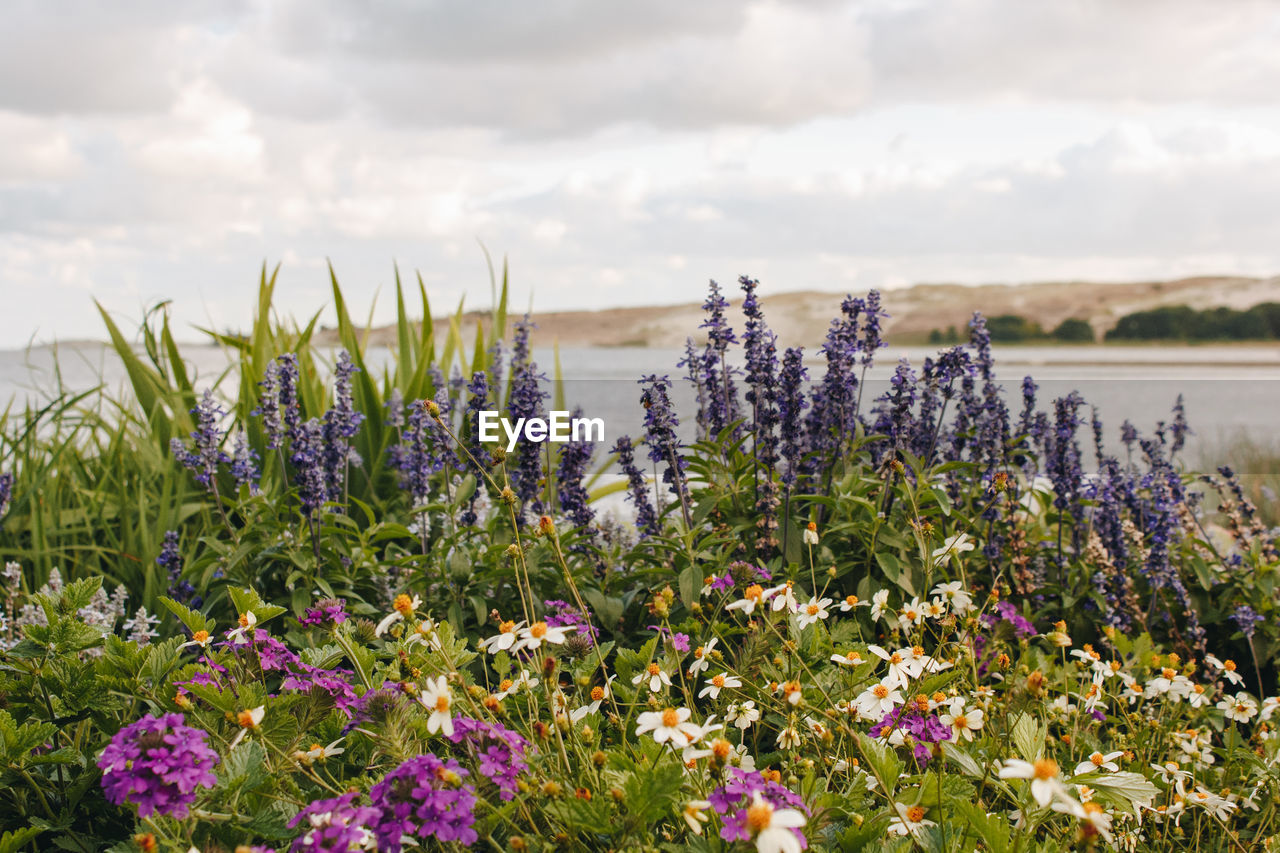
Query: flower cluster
[{"x": 157, "y": 764}]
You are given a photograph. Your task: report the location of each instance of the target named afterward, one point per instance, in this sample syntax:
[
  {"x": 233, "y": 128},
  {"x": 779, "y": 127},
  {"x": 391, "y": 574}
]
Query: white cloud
[{"x": 620, "y": 154}]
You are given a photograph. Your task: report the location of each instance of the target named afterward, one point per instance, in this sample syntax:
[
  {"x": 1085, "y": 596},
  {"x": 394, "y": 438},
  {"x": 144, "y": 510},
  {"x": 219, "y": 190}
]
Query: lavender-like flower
[
  {"x": 424, "y": 798},
  {"x": 662, "y": 438},
  {"x": 308, "y": 462},
  {"x": 170, "y": 560},
  {"x": 6, "y": 492},
  {"x": 638, "y": 491},
  {"x": 336, "y": 825},
  {"x": 791, "y": 405},
  {"x": 341, "y": 424},
  {"x": 1246, "y": 619},
  {"x": 1178, "y": 430},
  {"x": 244, "y": 464},
  {"x": 527, "y": 396},
  {"x": 205, "y": 454},
  {"x": 894, "y": 411},
  {"x": 722, "y": 396},
  {"x": 278, "y": 400},
  {"x": 158, "y": 764},
  {"x": 575, "y": 456}
]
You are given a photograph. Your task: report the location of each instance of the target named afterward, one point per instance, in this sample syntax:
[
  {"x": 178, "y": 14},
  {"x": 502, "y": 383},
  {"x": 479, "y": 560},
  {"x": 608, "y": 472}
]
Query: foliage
[{"x": 921, "y": 621}]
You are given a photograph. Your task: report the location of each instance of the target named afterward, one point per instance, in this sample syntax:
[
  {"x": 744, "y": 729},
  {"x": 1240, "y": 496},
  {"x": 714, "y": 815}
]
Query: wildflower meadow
[{"x": 304, "y": 608}]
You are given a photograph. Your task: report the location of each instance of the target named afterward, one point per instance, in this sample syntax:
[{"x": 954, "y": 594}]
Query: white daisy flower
[
  {"x": 438, "y": 699},
  {"x": 669, "y": 726},
  {"x": 718, "y": 683},
  {"x": 656, "y": 677},
  {"x": 812, "y": 611}
]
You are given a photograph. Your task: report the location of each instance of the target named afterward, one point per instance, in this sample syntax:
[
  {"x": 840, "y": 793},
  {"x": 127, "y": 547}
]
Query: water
[{"x": 1229, "y": 391}]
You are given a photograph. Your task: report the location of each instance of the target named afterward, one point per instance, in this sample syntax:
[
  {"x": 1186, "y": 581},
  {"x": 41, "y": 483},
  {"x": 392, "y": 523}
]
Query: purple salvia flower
[
  {"x": 722, "y": 397},
  {"x": 269, "y": 406},
  {"x": 894, "y": 412},
  {"x": 791, "y": 406},
  {"x": 872, "y": 339},
  {"x": 662, "y": 438},
  {"x": 575, "y": 457},
  {"x": 158, "y": 764},
  {"x": 308, "y": 461},
  {"x": 1179, "y": 430},
  {"x": 638, "y": 490},
  {"x": 693, "y": 361},
  {"x": 527, "y": 397},
  {"x": 170, "y": 560},
  {"x": 244, "y": 463},
  {"x": 205, "y": 454},
  {"x": 6, "y": 493},
  {"x": 395, "y": 409},
  {"x": 1246, "y": 619}
]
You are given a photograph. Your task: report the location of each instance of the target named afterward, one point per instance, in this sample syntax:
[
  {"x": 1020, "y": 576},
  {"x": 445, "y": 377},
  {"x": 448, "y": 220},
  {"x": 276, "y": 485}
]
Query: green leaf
[
  {"x": 194, "y": 620},
  {"x": 1028, "y": 737},
  {"x": 15, "y": 840},
  {"x": 993, "y": 832}
]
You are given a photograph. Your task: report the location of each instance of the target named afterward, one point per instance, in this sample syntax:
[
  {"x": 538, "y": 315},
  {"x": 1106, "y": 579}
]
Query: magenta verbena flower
[
  {"x": 335, "y": 825},
  {"x": 498, "y": 752},
  {"x": 424, "y": 798},
  {"x": 731, "y": 800},
  {"x": 328, "y": 613},
  {"x": 918, "y": 730},
  {"x": 157, "y": 764}
]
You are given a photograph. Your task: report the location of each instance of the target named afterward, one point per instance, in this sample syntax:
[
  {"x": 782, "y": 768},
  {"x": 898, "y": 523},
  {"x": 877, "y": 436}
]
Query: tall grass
[{"x": 95, "y": 485}]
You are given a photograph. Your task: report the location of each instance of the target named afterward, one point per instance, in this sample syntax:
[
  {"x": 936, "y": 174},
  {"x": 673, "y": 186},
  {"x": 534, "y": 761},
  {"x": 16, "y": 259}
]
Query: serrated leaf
[
  {"x": 1133, "y": 788},
  {"x": 1028, "y": 737},
  {"x": 15, "y": 840},
  {"x": 194, "y": 620}
]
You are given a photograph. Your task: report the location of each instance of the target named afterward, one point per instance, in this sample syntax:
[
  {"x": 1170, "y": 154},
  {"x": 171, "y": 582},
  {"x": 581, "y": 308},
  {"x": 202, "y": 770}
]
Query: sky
[{"x": 619, "y": 153}]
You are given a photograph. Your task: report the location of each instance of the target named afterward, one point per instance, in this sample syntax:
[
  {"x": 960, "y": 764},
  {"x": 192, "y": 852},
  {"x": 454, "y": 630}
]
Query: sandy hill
[{"x": 802, "y": 317}]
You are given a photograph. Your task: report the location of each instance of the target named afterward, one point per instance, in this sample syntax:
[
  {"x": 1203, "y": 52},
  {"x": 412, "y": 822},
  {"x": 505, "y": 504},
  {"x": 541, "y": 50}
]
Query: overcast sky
[{"x": 621, "y": 153}]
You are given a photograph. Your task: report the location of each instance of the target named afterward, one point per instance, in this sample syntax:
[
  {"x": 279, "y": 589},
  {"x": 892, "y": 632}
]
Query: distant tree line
[
  {"x": 1014, "y": 328},
  {"x": 1183, "y": 323}
]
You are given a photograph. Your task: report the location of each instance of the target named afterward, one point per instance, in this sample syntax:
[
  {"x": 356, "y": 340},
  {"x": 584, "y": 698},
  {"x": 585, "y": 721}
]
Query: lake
[{"x": 1228, "y": 390}]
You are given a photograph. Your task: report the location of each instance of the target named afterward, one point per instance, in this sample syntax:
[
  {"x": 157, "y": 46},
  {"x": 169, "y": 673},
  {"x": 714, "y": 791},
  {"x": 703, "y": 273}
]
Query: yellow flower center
[
  {"x": 654, "y": 669},
  {"x": 505, "y": 684},
  {"x": 853, "y": 656},
  {"x": 759, "y": 816},
  {"x": 1046, "y": 768},
  {"x": 538, "y": 630},
  {"x": 851, "y": 600},
  {"x": 960, "y": 721},
  {"x": 1098, "y": 759},
  {"x": 403, "y": 604},
  {"x": 670, "y": 718},
  {"x": 1168, "y": 673},
  {"x": 915, "y": 814},
  {"x": 753, "y": 592},
  {"x": 698, "y": 652},
  {"x": 895, "y": 658},
  {"x": 880, "y": 691},
  {"x": 597, "y": 693},
  {"x": 442, "y": 704},
  {"x": 201, "y": 637},
  {"x": 721, "y": 748},
  {"x": 812, "y": 609},
  {"x": 718, "y": 681},
  {"x": 244, "y": 620},
  {"x": 245, "y": 719},
  {"x": 1229, "y": 665},
  {"x": 507, "y": 627}
]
